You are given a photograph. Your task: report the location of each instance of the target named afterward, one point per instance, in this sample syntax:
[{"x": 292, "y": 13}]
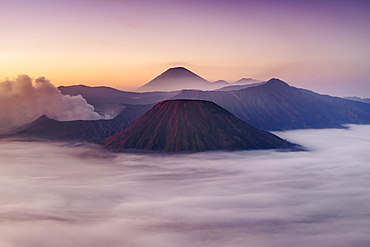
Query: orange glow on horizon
[{"x": 131, "y": 43}]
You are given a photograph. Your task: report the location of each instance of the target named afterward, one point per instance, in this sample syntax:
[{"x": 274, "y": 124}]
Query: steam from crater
[{"x": 22, "y": 101}]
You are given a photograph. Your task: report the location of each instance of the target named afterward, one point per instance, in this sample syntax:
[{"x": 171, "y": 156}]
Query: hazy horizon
[{"x": 62, "y": 194}]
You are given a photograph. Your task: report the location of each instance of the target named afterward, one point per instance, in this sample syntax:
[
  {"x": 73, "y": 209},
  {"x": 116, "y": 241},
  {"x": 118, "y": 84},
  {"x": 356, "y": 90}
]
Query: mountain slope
[
  {"x": 81, "y": 130},
  {"x": 176, "y": 79},
  {"x": 277, "y": 106},
  {"x": 191, "y": 126},
  {"x": 104, "y": 99}
]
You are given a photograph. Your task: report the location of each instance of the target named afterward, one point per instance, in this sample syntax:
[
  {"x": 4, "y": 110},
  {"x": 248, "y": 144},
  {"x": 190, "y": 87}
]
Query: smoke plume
[{"x": 22, "y": 101}]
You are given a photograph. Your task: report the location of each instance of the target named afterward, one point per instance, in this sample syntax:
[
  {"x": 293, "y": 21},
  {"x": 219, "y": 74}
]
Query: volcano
[
  {"x": 191, "y": 126},
  {"x": 177, "y": 78}
]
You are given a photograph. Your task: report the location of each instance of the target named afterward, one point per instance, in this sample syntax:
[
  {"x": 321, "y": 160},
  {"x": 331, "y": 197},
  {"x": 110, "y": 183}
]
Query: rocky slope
[{"x": 191, "y": 126}]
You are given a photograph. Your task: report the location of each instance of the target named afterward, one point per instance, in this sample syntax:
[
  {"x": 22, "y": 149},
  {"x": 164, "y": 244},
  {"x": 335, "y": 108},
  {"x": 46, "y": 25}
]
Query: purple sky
[{"x": 319, "y": 45}]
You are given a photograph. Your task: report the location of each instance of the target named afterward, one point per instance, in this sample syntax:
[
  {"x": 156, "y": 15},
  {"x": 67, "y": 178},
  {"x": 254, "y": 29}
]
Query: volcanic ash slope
[{"x": 192, "y": 126}]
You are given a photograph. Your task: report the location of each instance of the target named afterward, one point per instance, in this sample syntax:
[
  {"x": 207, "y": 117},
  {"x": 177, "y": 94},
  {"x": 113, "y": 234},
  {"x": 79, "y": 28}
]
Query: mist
[
  {"x": 61, "y": 194},
  {"x": 22, "y": 101}
]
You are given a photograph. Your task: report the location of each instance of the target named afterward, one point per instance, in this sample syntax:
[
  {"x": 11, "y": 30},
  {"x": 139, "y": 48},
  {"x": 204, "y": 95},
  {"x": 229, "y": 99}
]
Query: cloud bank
[
  {"x": 60, "y": 195},
  {"x": 22, "y": 101}
]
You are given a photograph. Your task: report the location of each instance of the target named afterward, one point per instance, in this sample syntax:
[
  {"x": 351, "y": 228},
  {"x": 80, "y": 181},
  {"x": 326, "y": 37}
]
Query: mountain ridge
[
  {"x": 275, "y": 105},
  {"x": 80, "y": 130}
]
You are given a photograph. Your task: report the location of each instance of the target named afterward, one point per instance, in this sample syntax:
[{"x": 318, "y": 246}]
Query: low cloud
[
  {"x": 22, "y": 101},
  {"x": 61, "y": 195}
]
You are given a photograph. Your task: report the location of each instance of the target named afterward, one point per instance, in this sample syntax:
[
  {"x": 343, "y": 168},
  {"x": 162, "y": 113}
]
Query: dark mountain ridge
[
  {"x": 277, "y": 106},
  {"x": 105, "y": 98},
  {"x": 81, "y": 130},
  {"x": 191, "y": 126}
]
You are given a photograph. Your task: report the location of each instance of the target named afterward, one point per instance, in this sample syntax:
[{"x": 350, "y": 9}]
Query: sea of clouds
[{"x": 60, "y": 195}]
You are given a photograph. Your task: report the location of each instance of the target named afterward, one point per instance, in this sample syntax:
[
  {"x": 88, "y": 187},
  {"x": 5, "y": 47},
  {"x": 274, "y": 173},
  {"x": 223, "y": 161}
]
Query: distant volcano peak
[
  {"x": 191, "y": 126},
  {"x": 176, "y": 78},
  {"x": 178, "y": 72}
]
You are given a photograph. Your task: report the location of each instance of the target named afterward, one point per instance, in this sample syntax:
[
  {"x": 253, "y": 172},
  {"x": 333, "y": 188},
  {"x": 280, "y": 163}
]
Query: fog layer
[
  {"x": 22, "y": 101},
  {"x": 62, "y": 195}
]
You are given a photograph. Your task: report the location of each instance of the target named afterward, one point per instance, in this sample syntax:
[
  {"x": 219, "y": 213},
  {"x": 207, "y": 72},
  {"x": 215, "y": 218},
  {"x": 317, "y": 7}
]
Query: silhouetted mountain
[
  {"x": 277, "y": 106},
  {"x": 81, "y": 130},
  {"x": 176, "y": 79},
  {"x": 108, "y": 101},
  {"x": 191, "y": 126}
]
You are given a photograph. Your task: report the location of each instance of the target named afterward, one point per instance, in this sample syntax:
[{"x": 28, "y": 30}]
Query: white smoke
[{"x": 22, "y": 101}]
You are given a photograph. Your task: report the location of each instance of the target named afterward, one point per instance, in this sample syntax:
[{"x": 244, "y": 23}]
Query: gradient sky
[{"x": 319, "y": 45}]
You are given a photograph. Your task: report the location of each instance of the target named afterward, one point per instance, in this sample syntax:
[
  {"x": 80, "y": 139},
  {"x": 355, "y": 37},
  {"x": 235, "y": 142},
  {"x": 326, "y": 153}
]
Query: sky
[
  {"x": 59, "y": 194},
  {"x": 318, "y": 45}
]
